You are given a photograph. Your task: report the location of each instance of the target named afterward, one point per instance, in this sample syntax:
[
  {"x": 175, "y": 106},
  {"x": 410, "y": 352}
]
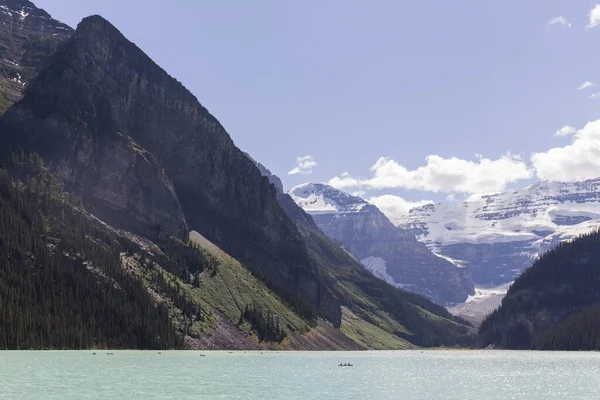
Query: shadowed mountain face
[
  {"x": 28, "y": 36},
  {"x": 145, "y": 155},
  {"x": 389, "y": 252}
]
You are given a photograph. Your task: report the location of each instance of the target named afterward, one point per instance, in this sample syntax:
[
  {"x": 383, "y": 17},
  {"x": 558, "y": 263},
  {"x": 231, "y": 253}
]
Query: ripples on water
[{"x": 461, "y": 375}]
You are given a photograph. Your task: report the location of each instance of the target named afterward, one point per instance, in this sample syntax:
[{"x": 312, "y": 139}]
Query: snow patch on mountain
[
  {"x": 482, "y": 303},
  {"x": 23, "y": 14},
  {"x": 377, "y": 266},
  {"x": 316, "y": 198},
  {"x": 457, "y": 263}
]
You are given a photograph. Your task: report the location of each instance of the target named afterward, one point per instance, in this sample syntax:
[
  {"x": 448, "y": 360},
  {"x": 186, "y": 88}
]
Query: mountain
[
  {"x": 554, "y": 305},
  {"x": 28, "y": 36},
  {"x": 389, "y": 312},
  {"x": 389, "y": 252},
  {"x": 499, "y": 235},
  {"x": 114, "y": 169},
  {"x": 70, "y": 281},
  {"x": 123, "y": 134}
]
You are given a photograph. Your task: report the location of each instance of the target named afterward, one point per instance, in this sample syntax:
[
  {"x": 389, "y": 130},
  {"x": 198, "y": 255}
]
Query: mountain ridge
[{"x": 389, "y": 252}]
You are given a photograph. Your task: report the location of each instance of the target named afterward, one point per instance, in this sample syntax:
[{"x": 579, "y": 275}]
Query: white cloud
[
  {"x": 565, "y": 131},
  {"x": 595, "y": 95},
  {"x": 304, "y": 165},
  {"x": 560, "y": 20},
  {"x": 450, "y": 175},
  {"x": 395, "y": 207},
  {"x": 594, "y": 17},
  {"x": 586, "y": 85},
  {"x": 577, "y": 161}
]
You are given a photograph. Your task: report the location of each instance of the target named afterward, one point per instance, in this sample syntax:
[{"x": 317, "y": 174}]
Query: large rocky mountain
[
  {"x": 28, "y": 36},
  {"x": 123, "y": 134},
  {"x": 389, "y": 252},
  {"x": 141, "y": 163},
  {"x": 554, "y": 305},
  {"x": 499, "y": 235}
]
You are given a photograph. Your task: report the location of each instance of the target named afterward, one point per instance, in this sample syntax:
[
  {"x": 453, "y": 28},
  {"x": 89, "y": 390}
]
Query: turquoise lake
[{"x": 461, "y": 375}]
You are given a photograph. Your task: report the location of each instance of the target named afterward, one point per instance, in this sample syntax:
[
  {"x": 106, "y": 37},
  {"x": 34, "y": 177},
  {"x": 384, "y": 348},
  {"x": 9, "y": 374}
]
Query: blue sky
[{"x": 480, "y": 86}]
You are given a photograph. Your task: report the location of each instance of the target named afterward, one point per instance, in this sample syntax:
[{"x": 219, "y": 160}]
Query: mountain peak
[
  {"x": 95, "y": 24},
  {"x": 319, "y": 198}
]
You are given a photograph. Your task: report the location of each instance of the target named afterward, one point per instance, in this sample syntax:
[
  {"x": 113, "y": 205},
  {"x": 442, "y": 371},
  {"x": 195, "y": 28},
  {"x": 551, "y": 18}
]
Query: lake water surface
[{"x": 461, "y": 375}]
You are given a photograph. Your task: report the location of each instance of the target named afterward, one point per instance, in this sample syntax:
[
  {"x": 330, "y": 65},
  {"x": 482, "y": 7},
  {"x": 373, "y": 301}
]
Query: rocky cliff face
[
  {"x": 391, "y": 253},
  {"x": 143, "y": 153},
  {"x": 28, "y": 36},
  {"x": 499, "y": 235}
]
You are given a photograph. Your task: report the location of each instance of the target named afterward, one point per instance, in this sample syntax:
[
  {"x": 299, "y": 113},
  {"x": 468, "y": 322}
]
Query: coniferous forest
[
  {"x": 554, "y": 305},
  {"x": 51, "y": 296}
]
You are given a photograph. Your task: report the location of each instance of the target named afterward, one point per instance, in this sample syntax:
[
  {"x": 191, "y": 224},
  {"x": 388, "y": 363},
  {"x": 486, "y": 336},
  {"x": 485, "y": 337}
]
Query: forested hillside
[
  {"x": 554, "y": 304},
  {"x": 61, "y": 281}
]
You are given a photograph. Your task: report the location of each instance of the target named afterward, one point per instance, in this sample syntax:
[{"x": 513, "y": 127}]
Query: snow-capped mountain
[
  {"x": 498, "y": 235},
  {"x": 387, "y": 251}
]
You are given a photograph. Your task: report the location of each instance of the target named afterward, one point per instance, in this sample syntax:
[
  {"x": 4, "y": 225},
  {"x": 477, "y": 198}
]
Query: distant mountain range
[
  {"x": 387, "y": 251},
  {"x": 486, "y": 241},
  {"x": 499, "y": 235}
]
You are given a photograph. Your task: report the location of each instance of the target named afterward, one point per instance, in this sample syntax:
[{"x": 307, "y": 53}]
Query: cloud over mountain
[
  {"x": 304, "y": 166},
  {"x": 580, "y": 160},
  {"x": 439, "y": 174}
]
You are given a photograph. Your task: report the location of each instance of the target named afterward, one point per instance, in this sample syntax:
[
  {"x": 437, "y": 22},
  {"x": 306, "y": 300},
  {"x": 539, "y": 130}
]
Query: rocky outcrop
[
  {"x": 117, "y": 125},
  {"x": 389, "y": 252},
  {"x": 28, "y": 36}
]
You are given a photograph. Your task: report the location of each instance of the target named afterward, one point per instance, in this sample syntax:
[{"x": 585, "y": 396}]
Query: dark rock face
[
  {"x": 103, "y": 109},
  {"x": 28, "y": 36},
  {"x": 370, "y": 235}
]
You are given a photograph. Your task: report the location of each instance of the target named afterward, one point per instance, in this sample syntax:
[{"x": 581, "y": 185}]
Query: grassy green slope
[{"x": 394, "y": 312}]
